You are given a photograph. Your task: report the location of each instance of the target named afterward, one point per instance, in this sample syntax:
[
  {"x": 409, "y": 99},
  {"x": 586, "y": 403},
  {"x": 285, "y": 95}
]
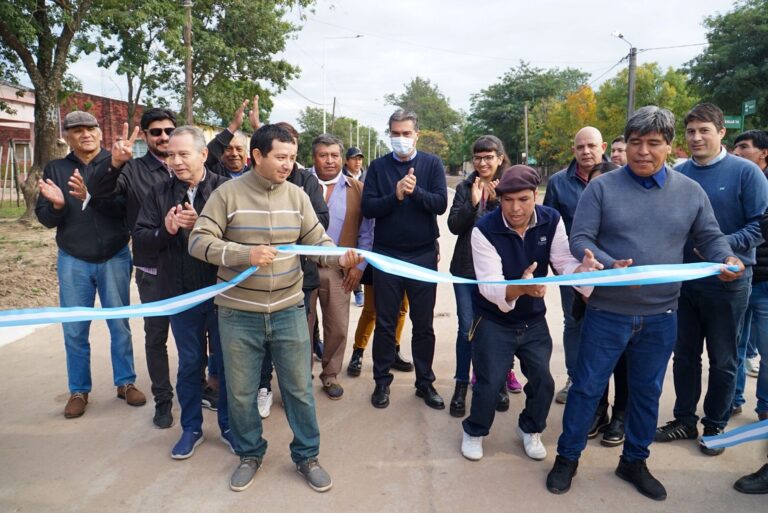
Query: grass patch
[{"x": 9, "y": 210}]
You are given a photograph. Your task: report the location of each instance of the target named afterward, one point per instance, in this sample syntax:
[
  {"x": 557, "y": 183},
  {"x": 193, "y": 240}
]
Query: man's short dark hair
[
  {"x": 619, "y": 138},
  {"x": 327, "y": 140},
  {"x": 404, "y": 115},
  {"x": 289, "y": 127},
  {"x": 263, "y": 137},
  {"x": 156, "y": 114},
  {"x": 759, "y": 138},
  {"x": 650, "y": 119},
  {"x": 706, "y": 113}
]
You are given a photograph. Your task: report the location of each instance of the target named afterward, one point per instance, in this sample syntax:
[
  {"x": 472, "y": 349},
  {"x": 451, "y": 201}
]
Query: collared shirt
[
  {"x": 192, "y": 191},
  {"x": 488, "y": 265},
  {"x": 655, "y": 180},
  {"x": 712, "y": 162},
  {"x": 337, "y": 208},
  {"x": 395, "y": 156}
]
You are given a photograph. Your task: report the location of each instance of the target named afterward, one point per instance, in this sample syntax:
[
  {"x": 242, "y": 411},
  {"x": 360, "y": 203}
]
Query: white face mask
[{"x": 402, "y": 145}]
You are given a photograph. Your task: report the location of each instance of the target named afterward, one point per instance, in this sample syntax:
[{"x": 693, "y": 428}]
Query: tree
[
  {"x": 669, "y": 90},
  {"x": 557, "y": 123},
  {"x": 36, "y": 36},
  {"x": 734, "y": 67},
  {"x": 233, "y": 45},
  {"x": 433, "y": 108},
  {"x": 499, "y": 109},
  {"x": 311, "y": 124}
]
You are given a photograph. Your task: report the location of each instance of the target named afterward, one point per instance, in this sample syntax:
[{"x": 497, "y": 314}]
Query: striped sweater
[{"x": 253, "y": 211}]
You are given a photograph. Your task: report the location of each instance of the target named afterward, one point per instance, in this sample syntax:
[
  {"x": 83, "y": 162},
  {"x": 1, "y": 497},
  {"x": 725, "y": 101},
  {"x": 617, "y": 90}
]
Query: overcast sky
[{"x": 462, "y": 46}]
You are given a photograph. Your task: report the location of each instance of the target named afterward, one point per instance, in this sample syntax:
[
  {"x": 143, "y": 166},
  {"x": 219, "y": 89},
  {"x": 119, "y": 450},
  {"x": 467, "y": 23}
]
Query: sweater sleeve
[
  {"x": 206, "y": 241},
  {"x": 586, "y": 226},
  {"x": 378, "y": 200},
  {"x": 706, "y": 234},
  {"x": 434, "y": 197},
  {"x": 754, "y": 190}
]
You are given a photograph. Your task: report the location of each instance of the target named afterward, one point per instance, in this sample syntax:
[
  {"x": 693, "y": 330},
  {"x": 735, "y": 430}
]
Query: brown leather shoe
[
  {"x": 76, "y": 405},
  {"x": 131, "y": 394},
  {"x": 763, "y": 415}
]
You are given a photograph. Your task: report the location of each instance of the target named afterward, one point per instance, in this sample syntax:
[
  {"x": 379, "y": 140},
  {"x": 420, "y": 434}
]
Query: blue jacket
[{"x": 564, "y": 190}]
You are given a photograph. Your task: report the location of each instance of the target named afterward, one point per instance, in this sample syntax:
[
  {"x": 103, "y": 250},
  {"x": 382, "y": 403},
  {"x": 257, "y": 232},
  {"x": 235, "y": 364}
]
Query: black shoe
[
  {"x": 459, "y": 400},
  {"x": 614, "y": 433},
  {"x": 736, "y": 410},
  {"x": 675, "y": 430},
  {"x": 637, "y": 473},
  {"x": 430, "y": 396},
  {"x": 355, "y": 363},
  {"x": 163, "y": 418},
  {"x": 210, "y": 398},
  {"x": 711, "y": 431},
  {"x": 754, "y": 483},
  {"x": 503, "y": 403},
  {"x": 317, "y": 349},
  {"x": 562, "y": 473},
  {"x": 401, "y": 364},
  {"x": 599, "y": 423},
  {"x": 380, "y": 396}
]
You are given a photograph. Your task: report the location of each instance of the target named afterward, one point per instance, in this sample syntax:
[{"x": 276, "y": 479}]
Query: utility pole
[
  {"x": 525, "y": 110},
  {"x": 357, "y": 143},
  {"x": 368, "y": 150},
  {"x": 187, "y": 4},
  {"x": 333, "y": 115},
  {"x": 631, "y": 81}
]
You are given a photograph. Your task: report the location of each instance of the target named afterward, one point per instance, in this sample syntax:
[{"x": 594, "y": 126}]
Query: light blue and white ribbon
[
  {"x": 748, "y": 433},
  {"x": 641, "y": 275}
]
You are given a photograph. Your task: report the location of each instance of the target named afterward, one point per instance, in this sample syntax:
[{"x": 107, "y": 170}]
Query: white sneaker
[
  {"x": 471, "y": 446},
  {"x": 752, "y": 366},
  {"x": 264, "y": 401},
  {"x": 534, "y": 448}
]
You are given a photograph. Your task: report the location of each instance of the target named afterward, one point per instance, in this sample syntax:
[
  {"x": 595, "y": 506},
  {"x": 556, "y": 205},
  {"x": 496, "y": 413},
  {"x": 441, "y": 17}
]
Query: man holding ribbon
[{"x": 634, "y": 215}]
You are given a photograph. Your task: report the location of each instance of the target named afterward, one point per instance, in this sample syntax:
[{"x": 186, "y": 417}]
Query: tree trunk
[{"x": 46, "y": 148}]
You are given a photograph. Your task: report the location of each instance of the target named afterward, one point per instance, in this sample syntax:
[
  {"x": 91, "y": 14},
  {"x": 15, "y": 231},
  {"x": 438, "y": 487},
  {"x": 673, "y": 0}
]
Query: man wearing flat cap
[
  {"x": 93, "y": 256},
  {"x": 517, "y": 240}
]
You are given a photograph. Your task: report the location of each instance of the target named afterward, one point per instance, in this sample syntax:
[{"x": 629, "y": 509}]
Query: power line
[
  {"x": 671, "y": 47},
  {"x": 303, "y": 96},
  {"x": 608, "y": 70}
]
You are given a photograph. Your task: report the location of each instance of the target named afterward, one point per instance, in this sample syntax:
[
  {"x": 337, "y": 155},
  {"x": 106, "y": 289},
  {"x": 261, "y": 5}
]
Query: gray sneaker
[
  {"x": 317, "y": 478},
  {"x": 244, "y": 473},
  {"x": 562, "y": 396}
]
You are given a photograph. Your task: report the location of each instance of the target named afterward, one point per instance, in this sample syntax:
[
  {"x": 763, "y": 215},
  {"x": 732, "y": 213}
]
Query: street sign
[
  {"x": 733, "y": 122},
  {"x": 748, "y": 107}
]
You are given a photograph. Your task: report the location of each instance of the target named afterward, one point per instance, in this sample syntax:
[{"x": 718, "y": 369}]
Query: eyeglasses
[
  {"x": 155, "y": 132},
  {"x": 484, "y": 158}
]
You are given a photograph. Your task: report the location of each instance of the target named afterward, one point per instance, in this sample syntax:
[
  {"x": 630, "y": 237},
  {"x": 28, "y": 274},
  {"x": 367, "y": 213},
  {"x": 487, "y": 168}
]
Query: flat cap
[
  {"x": 518, "y": 178},
  {"x": 79, "y": 118}
]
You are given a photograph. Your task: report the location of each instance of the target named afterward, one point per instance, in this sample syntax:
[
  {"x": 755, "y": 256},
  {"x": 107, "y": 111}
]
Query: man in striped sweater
[{"x": 239, "y": 227}]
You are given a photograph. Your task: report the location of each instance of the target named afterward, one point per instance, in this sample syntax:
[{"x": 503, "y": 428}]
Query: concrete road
[{"x": 401, "y": 459}]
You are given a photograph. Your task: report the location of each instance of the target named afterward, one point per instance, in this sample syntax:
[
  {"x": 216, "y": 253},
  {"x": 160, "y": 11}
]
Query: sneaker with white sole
[
  {"x": 534, "y": 447},
  {"x": 562, "y": 395},
  {"x": 752, "y": 366},
  {"x": 316, "y": 476},
  {"x": 471, "y": 446},
  {"x": 264, "y": 402}
]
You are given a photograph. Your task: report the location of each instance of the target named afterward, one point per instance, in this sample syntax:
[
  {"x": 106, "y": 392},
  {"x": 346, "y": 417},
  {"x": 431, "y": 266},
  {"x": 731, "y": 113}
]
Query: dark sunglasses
[{"x": 155, "y": 132}]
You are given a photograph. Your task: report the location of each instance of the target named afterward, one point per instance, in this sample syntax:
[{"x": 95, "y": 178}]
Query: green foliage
[
  {"x": 311, "y": 125},
  {"x": 499, "y": 109},
  {"x": 555, "y": 122},
  {"x": 734, "y": 67}
]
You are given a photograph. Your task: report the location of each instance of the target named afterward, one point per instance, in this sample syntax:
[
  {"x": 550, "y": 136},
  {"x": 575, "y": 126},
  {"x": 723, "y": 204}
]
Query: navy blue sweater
[
  {"x": 738, "y": 192},
  {"x": 408, "y": 226},
  {"x": 517, "y": 253}
]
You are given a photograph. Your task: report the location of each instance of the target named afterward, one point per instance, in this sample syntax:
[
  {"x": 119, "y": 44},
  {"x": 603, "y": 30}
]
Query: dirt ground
[{"x": 27, "y": 266}]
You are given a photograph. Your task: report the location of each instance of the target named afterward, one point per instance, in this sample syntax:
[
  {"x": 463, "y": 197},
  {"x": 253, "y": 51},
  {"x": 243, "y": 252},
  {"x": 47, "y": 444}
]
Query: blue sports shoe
[{"x": 186, "y": 445}]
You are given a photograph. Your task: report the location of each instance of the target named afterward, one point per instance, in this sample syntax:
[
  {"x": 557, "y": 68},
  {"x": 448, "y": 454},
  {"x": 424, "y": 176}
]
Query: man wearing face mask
[{"x": 405, "y": 188}]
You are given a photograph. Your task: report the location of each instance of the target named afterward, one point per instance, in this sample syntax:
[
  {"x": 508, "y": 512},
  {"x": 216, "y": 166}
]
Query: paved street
[{"x": 400, "y": 459}]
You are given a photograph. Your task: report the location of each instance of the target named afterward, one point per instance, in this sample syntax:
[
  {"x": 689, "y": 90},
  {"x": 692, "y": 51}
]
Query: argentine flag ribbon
[
  {"x": 748, "y": 433},
  {"x": 640, "y": 275}
]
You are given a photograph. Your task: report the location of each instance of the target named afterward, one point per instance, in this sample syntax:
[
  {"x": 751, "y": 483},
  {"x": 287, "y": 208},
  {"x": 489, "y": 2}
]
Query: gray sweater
[{"x": 618, "y": 218}]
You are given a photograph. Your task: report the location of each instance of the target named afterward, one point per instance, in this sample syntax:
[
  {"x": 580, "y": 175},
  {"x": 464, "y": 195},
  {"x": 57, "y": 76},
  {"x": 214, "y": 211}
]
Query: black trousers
[
  {"x": 155, "y": 339},
  {"x": 388, "y": 294}
]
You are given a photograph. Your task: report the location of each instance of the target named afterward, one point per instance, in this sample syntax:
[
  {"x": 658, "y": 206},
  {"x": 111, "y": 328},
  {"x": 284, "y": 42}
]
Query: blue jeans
[
  {"x": 463, "y": 346},
  {"x": 711, "y": 311},
  {"x": 754, "y": 333},
  {"x": 571, "y": 330},
  {"x": 647, "y": 342},
  {"x": 493, "y": 347},
  {"x": 245, "y": 336},
  {"x": 78, "y": 283},
  {"x": 189, "y": 330}
]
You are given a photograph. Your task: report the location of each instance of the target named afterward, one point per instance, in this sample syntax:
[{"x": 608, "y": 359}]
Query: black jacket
[
  {"x": 133, "y": 183},
  {"x": 461, "y": 220},
  {"x": 305, "y": 179},
  {"x": 177, "y": 271},
  {"x": 215, "y": 151},
  {"x": 95, "y": 234},
  {"x": 760, "y": 269}
]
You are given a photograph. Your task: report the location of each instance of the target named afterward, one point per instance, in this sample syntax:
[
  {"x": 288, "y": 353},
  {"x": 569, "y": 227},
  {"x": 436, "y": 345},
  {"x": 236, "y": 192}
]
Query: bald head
[{"x": 588, "y": 148}]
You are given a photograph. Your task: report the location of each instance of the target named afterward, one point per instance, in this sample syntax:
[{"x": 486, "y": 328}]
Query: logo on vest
[{"x": 543, "y": 240}]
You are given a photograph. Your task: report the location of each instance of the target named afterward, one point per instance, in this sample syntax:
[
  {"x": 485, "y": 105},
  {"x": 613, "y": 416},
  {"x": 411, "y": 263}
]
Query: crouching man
[
  {"x": 240, "y": 225},
  {"x": 517, "y": 240}
]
